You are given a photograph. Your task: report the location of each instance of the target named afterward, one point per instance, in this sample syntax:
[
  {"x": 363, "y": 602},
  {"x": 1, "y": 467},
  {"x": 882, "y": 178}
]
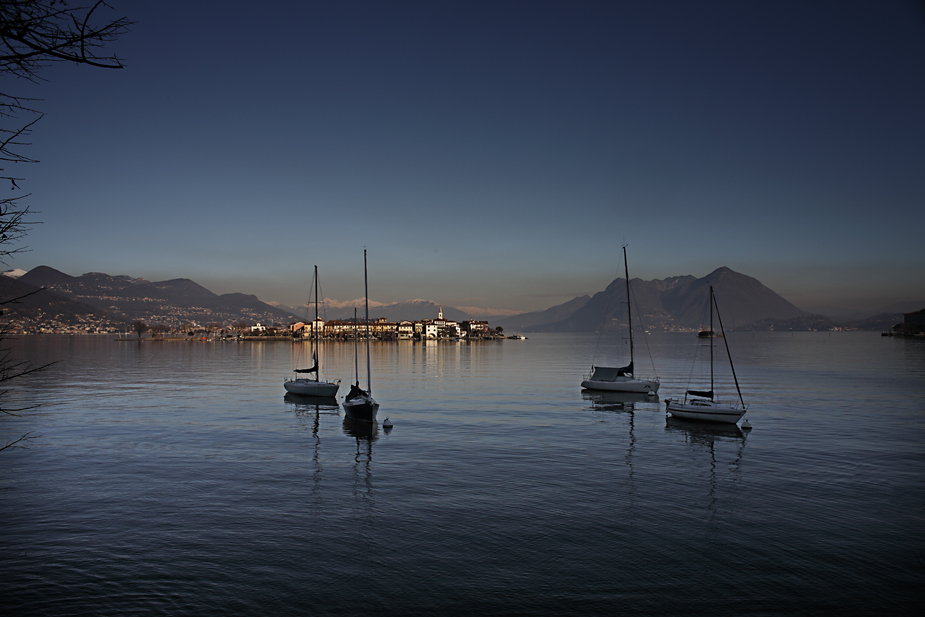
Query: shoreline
[{"x": 284, "y": 339}]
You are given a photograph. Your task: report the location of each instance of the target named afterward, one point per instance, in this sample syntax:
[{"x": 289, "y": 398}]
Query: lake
[{"x": 175, "y": 478}]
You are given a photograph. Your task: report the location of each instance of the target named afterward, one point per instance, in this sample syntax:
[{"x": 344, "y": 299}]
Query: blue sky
[{"x": 492, "y": 154}]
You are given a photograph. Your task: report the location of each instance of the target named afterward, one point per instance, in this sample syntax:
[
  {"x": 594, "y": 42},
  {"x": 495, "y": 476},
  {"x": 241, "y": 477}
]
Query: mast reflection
[
  {"x": 625, "y": 404},
  {"x": 365, "y": 434},
  {"x": 702, "y": 435},
  {"x": 309, "y": 409},
  {"x": 308, "y": 406}
]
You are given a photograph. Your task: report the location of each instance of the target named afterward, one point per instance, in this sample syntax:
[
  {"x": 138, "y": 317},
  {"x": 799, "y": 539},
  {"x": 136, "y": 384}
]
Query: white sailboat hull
[
  {"x": 310, "y": 387},
  {"x": 705, "y": 410},
  {"x": 622, "y": 384}
]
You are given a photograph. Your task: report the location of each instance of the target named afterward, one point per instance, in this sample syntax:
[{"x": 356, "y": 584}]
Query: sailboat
[
  {"x": 703, "y": 404},
  {"x": 306, "y": 386},
  {"x": 359, "y": 404},
  {"x": 621, "y": 379}
]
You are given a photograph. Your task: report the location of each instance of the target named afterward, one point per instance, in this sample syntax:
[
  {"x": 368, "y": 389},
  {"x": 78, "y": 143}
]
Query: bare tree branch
[
  {"x": 13, "y": 444},
  {"x": 34, "y": 34},
  {"x": 18, "y": 298}
]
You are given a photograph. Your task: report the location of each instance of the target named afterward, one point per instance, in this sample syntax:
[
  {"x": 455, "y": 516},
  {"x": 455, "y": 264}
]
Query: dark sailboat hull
[
  {"x": 359, "y": 404},
  {"x": 363, "y": 408}
]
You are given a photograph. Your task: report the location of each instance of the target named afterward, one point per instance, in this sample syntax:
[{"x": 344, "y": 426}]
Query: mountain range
[
  {"x": 31, "y": 308},
  {"x": 675, "y": 303},
  {"x": 123, "y": 299},
  {"x": 680, "y": 303}
]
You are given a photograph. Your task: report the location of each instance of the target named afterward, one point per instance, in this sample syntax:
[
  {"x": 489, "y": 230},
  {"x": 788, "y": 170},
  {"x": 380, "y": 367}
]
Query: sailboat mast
[
  {"x": 314, "y": 332},
  {"x": 369, "y": 384},
  {"x": 712, "y": 302},
  {"x": 629, "y": 312}
]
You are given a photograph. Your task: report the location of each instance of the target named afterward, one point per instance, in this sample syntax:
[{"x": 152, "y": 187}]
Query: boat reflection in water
[
  {"x": 708, "y": 436},
  {"x": 361, "y": 430},
  {"x": 364, "y": 492},
  {"x": 623, "y": 406},
  {"x": 309, "y": 409},
  {"x": 312, "y": 404},
  {"x": 705, "y": 433},
  {"x": 616, "y": 401}
]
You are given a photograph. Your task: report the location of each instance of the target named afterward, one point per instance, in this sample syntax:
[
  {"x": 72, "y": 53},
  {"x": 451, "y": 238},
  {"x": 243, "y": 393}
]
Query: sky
[{"x": 491, "y": 154}]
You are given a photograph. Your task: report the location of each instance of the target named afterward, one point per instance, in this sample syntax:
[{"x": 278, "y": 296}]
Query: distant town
[
  {"x": 380, "y": 328},
  {"x": 48, "y": 301},
  {"x": 422, "y": 329},
  {"x": 59, "y": 324}
]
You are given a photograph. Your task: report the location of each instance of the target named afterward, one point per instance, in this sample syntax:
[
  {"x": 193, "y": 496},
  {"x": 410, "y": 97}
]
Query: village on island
[{"x": 381, "y": 329}]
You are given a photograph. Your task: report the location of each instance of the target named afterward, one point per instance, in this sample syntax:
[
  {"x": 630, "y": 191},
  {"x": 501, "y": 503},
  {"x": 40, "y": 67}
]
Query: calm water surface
[{"x": 175, "y": 478}]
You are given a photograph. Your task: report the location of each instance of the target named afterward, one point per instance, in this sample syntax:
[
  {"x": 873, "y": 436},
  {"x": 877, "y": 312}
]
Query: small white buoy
[
  {"x": 746, "y": 426},
  {"x": 650, "y": 393},
  {"x": 387, "y": 423}
]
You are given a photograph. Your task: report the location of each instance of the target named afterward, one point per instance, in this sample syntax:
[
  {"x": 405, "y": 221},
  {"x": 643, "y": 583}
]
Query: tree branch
[{"x": 12, "y": 444}]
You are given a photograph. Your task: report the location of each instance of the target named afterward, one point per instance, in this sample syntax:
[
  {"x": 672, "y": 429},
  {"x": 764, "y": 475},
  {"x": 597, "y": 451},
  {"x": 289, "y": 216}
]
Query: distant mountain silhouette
[
  {"x": 540, "y": 318},
  {"x": 43, "y": 305},
  {"x": 676, "y": 303},
  {"x": 742, "y": 300},
  {"x": 607, "y": 309},
  {"x": 43, "y": 276},
  {"x": 178, "y": 301},
  {"x": 170, "y": 303}
]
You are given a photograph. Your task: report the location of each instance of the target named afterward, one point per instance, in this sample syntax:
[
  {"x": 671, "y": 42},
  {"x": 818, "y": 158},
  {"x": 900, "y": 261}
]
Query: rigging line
[
  {"x": 694, "y": 355},
  {"x": 324, "y": 312},
  {"x": 601, "y": 327},
  {"x": 308, "y": 303},
  {"x": 308, "y": 317},
  {"x": 643, "y": 328},
  {"x": 693, "y": 363},
  {"x": 728, "y": 355}
]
